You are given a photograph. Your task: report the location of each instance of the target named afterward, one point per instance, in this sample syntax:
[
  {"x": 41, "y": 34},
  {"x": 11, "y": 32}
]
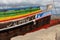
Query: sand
[{"x": 51, "y": 33}]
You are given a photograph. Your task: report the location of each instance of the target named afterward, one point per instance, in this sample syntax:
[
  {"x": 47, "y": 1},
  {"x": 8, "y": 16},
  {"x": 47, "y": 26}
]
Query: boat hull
[{"x": 23, "y": 29}]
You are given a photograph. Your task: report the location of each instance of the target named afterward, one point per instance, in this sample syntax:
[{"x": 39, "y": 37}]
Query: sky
[{"x": 40, "y": 2}]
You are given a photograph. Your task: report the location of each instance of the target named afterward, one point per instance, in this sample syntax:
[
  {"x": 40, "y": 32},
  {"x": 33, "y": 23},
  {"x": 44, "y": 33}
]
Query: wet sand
[{"x": 43, "y": 34}]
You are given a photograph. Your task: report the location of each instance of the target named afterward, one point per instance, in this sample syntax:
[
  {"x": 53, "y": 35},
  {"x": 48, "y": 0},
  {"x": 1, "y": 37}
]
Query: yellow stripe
[{"x": 10, "y": 17}]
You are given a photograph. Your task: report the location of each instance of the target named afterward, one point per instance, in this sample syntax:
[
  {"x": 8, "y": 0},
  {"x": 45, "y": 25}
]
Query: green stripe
[{"x": 17, "y": 12}]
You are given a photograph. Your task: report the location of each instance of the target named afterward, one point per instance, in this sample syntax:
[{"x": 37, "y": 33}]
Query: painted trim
[{"x": 23, "y": 16}]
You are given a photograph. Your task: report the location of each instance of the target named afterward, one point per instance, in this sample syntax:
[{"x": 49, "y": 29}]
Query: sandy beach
[{"x": 51, "y": 33}]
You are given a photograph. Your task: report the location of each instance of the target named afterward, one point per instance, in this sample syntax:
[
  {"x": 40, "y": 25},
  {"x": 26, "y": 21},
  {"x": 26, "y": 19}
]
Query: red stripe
[{"x": 52, "y": 23}]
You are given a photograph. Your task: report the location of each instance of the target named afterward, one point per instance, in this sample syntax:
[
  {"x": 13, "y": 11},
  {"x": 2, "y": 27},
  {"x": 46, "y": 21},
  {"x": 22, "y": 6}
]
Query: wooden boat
[{"x": 19, "y": 21}]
